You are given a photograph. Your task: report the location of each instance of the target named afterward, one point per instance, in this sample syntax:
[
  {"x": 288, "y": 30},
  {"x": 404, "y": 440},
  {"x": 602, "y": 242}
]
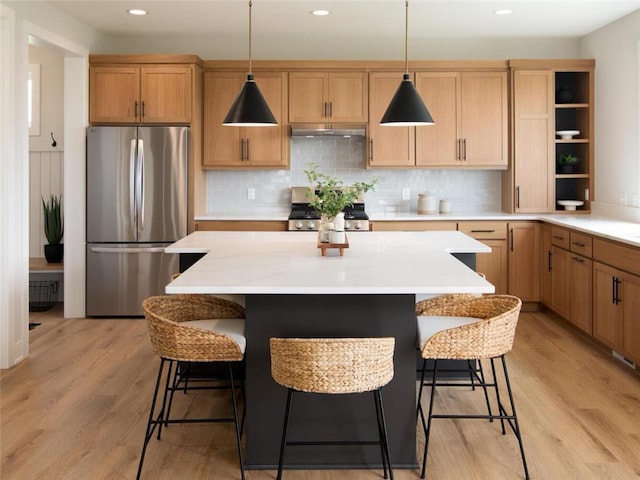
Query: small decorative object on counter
[
  {"x": 567, "y": 163},
  {"x": 445, "y": 205},
  {"x": 330, "y": 197},
  {"x": 427, "y": 204}
]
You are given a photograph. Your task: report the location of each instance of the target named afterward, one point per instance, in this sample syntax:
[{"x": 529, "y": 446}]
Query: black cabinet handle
[
  {"x": 464, "y": 150},
  {"x": 242, "y": 149},
  {"x": 371, "y": 150},
  {"x": 579, "y": 244},
  {"x": 518, "y": 196},
  {"x": 482, "y": 231},
  {"x": 577, "y": 259},
  {"x": 143, "y": 109},
  {"x": 617, "y": 282},
  {"x": 331, "y": 109},
  {"x": 248, "y": 153},
  {"x": 511, "y": 239},
  {"x": 549, "y": 255},
  {"x": 458, "y": 149},
  {"x": 135, "y": 108},
  {"x": 557, "y": 237}
]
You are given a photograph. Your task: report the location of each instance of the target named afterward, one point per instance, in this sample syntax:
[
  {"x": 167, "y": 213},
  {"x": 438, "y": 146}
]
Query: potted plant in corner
[
  {"x": 567, "y": 163},
  {"x": 330, "y": 197},
  {"x": 53, "y": 230}
]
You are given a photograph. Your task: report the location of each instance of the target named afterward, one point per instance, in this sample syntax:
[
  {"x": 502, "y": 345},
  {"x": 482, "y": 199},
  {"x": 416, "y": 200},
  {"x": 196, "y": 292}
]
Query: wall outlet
[
  {"x": 406, "y": 193},
  {"x": 251, "y": 193},
  {"x": 622, "y": 198}
]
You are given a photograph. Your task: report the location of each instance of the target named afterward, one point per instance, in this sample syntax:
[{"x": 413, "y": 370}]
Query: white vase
[{"x": 326, "y": 225}]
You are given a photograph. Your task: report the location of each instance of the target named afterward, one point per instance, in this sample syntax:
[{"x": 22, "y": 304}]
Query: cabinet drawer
[
  {"x": 484, "y": 230},
  {"x": 581, "y": 244},
  {"x": 616, "y": 255},
  {"x": 560, "y": 237}
]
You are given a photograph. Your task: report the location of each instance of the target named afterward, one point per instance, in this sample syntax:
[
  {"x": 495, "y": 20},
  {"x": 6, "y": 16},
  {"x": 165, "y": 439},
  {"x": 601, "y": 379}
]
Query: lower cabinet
[
  {"x": 580, "y": 292},
  {"x": 524, "y": 254},
  {"x": 616, "y": 303},
  {"x": 411, "y": 226},
  {"x": 493, "y": 265},
  {"x": 241, "y": 225},
  {"x": 545, "y": 264},
  {"x": 560, "y": 281}
]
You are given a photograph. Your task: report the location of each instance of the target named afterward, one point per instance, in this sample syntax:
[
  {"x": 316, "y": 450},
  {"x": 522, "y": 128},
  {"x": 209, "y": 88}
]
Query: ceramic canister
[
  {"x": 445, "y": 205},
  {"x": 427, "y": 204}
]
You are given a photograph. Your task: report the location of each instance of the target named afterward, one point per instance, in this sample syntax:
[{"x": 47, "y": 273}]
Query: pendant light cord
[
  {"x": 406, "y": 36},
  {"x": 250, "y": 5}
]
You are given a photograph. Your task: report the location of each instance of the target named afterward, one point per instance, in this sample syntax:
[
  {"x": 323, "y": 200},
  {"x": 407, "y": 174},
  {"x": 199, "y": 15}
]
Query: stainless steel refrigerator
[{"x": 136, "y": 206}]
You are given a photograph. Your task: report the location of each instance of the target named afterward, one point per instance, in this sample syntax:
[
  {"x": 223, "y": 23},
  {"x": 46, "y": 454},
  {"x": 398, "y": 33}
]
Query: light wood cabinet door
[
  {"x": 484, "y": 119},
  {"x": 222, "y": 144},
  {"x": 388, "y": 146},
  {"x": 494, "y": 265},
  {"x": 234, "y": 147},
  {"x": 324, "y": 97},
  {"x": 560, "y": 281},
  {"x": 580, "y": 288},
  {"x": 439, "y": 144},
  {"x": 606, "y": 313},
  {"x": 114, "y": 94},
  {"x": 524, "y": 252},
  {"x": 546, "y": 259},
  {"x": 630, "y": 302},
  {"x": 533, "y": 134},
  {"x": 165, "y": 93},
  {"x": 471, "y": 121}
]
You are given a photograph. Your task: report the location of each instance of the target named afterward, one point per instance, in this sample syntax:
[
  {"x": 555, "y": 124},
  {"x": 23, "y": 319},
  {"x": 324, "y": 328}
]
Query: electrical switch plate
[
  {"x": 251, "y": 193},
  {"x": 406, "y": 193}
]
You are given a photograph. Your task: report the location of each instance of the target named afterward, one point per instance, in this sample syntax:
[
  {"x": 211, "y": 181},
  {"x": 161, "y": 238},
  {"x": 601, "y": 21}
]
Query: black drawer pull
[
  {"x": 557, "y": 237},
  {"x": 579, "y": 244},
  {"x": 483, "y": 231},
  {"x": 578, "y": 259}
]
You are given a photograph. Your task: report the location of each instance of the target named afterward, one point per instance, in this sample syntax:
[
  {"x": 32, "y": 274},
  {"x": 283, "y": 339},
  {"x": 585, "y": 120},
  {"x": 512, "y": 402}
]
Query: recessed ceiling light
[
  {"x": 320, "y": 13},
  {"x": 503, "y": 11},
  {"x": 137, "y": 11}
]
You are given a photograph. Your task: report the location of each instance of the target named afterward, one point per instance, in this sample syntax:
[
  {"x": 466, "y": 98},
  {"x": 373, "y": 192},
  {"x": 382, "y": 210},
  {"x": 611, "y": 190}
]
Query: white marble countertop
[{"x": 291, "y": 263}]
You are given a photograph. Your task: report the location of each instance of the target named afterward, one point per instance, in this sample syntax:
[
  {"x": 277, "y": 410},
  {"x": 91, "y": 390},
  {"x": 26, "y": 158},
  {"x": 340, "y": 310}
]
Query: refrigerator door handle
[
  {"x": 127, "y": 250},
  {"x": 133, "y": 169},
  {"x": 140, "y": 188}
]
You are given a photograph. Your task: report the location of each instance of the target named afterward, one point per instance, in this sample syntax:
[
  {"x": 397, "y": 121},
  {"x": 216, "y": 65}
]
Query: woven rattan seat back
[
  {"x": 490, "y": 337},
  {"x": 171, "y": 340},
  {"x": 332, "y": 365}
]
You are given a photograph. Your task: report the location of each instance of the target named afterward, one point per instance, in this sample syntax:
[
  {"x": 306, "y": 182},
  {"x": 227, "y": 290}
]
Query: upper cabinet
[
  {"x": 140, "y": 94},
  {"x": 328, "y": 97},
  {"x": 471, "y": 120},
  {"x": 552, "y": 136},
  {"x": 388, "y": 146},
  {"x": 533, "y": 121},
  {"x": 239, "y": 147}
]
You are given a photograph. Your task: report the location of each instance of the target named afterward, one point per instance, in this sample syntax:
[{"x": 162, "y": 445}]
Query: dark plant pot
[
  {"x": 54, "y": 253},
  {"x": 566, "y": 168}
]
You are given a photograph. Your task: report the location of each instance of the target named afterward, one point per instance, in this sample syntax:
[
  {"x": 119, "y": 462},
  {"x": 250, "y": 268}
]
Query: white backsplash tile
[{"x": 470, "y": 191}]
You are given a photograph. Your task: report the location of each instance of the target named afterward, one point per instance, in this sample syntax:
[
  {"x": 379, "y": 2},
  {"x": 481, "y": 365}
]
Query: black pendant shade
[
  {"x": 406, "y": 107},
  {"x": 249, "y": 109}
]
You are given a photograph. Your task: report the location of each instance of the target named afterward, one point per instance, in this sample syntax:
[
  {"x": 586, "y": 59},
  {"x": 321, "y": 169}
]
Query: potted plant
[
  {"x": 330, "y": 197},
  {"x": 567, "y": 163},
  {"x": 53, "y": 230}
]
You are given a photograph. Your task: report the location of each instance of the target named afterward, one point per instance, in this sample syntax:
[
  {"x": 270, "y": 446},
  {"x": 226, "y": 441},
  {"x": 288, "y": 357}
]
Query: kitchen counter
[
  {"x": 290, "y": 262},
  {"x": 293, "y": 291}
]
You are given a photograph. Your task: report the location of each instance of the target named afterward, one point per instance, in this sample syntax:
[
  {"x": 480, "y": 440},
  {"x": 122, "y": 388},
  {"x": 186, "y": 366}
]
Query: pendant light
[
  {"x": 250, "y": 109},
  {"x": 406, "y": 108}
]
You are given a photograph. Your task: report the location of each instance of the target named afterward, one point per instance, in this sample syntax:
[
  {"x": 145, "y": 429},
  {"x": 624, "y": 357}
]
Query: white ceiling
[{"x": 351, "y": 18}]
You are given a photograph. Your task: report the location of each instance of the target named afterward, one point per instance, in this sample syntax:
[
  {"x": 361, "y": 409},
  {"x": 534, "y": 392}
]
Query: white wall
[{"x": 617, "y": 169}]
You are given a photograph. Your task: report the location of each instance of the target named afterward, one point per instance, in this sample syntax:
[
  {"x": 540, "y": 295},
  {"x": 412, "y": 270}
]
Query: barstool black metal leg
[
  {"x": 484, "y": 387},
  {"x": 150, "y": 422},
  {"x": 516, "y": 428},
  {"x": 285, "y": 429},
  {"x": 164, "y": 413},
  {"x": 385, "y": 435},
  {"x": 383, "y": 452},
  {"x": 174, "y": 385},
  {"x": 471, "y": 375},
  {"x": 501, "y": 411},
  {"x": 235, "y": 420},
  {"x": 427, "y": 431}
]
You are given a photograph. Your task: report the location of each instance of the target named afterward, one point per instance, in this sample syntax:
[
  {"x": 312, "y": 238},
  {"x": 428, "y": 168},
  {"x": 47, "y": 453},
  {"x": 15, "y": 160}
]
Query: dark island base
[{"x": 329, "y": 417}]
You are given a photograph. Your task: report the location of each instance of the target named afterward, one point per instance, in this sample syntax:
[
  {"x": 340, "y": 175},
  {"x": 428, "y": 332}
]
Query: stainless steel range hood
[{"x": 328, "y": 130}]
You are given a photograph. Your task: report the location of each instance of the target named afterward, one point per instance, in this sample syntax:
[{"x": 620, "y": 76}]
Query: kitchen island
[{"x": 293, "y": 291}]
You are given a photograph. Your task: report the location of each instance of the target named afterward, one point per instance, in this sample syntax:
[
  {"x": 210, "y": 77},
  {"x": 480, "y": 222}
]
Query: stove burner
[{"x": 304, "y": 215}]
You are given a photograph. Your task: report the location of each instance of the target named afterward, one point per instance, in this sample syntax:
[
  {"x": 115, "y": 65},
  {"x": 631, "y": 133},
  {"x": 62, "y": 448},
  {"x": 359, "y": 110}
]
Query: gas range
[{"x": 304, "y": 217}]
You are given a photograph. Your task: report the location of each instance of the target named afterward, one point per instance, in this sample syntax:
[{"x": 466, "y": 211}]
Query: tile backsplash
[{"x": 470, "y": 191}]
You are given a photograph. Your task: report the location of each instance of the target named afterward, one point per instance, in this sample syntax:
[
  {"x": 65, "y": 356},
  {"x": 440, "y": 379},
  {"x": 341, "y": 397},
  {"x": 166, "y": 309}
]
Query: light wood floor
[{"x": 76, "y": 409}]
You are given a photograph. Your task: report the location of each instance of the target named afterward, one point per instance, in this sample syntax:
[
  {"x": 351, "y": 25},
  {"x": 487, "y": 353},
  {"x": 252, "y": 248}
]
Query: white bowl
[
  {"x": 567, "y": 134},
  {"x": 570, "y": 204}
]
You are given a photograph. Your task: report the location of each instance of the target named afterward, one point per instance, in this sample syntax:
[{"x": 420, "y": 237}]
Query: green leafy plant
[
  {"x": 567, "y": 159},
  {"x": 330, "y": 196},
  {"x": 53, "y": 228}
]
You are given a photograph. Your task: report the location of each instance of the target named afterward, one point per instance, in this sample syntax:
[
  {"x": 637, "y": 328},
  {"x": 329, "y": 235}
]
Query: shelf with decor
[{"x": 573, "y": 143}]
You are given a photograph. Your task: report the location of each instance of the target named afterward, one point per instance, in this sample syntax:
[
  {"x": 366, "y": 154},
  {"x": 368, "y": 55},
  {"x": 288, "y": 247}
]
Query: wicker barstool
[
  {"x": 468, "y": 328},
  {"x": 334, "y": 366},
  {"x": 192, "y": 328}
]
